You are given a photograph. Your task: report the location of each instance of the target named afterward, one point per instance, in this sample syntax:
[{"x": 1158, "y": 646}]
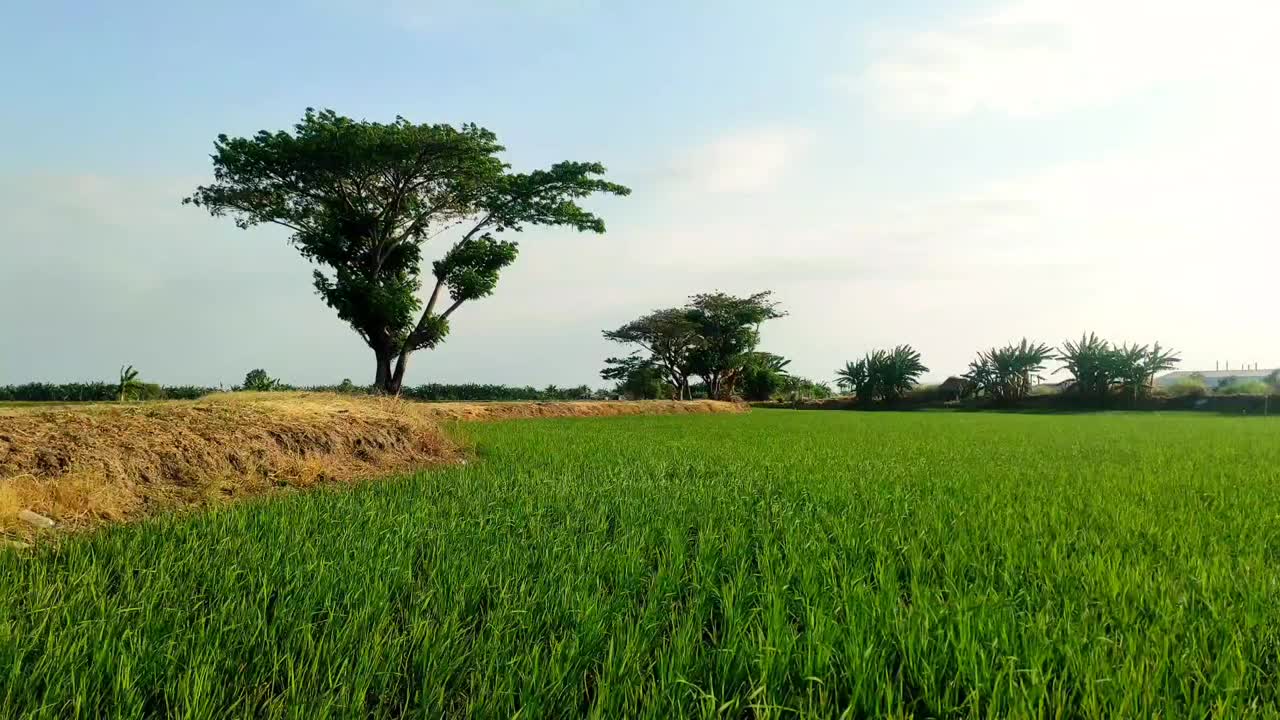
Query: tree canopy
[
  {"x": 362, "y": 198},
  {"x": 882, "y": 375},
  {"x": 1007, "y": 374},
  {"x": 713, "y": 336},
  {"x": 1097, "y": 367}
]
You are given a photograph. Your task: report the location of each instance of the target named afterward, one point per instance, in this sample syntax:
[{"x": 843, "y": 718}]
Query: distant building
[{"x": 1214, "y": 378}]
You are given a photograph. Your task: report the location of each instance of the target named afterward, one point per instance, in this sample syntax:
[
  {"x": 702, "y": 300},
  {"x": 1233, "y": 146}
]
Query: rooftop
[{"x": 1219, "y": 374}]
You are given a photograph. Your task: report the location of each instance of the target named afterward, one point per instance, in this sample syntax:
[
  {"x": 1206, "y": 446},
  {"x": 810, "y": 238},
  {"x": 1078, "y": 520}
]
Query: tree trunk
[
  {"x": 397, "y": 377},
  {"x": 383, "y": 376}
]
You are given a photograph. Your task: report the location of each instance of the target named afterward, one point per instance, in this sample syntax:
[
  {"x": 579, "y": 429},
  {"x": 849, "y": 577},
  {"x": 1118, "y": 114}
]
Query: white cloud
[
  {"x": 1034, "y": 57},
  {"x": 743, "y": 161}
]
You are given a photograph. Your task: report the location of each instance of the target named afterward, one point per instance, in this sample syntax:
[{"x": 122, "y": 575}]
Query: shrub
[
  {"x": 1191, "y": 386},
  {"x": 258, "y": 380},
  {"x": 763, "y": 376},
  {"x": 797, "y": 389},
  {"x": 1243, "y": 387}
]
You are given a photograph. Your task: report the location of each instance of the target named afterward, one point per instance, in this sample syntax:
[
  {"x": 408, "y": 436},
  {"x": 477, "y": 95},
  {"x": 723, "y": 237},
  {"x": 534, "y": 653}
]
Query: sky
[{"x": 952, "y": 175}]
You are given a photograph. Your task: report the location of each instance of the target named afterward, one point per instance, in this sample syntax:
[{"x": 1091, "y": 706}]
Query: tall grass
[{"x": 769, "y": 565}]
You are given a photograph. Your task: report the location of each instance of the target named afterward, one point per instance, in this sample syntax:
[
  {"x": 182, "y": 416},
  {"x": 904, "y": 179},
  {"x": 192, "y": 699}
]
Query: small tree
[
  {"x": 258, "y": 380},
  {"x": 361, "y": 199},
  {"x": 883, "y": 375},
  {"x": 762, "y": 375},
  {"x": 1091, "y": 362},
  {"x": 1007, "y": 374},
  {"x": 898, "y": 372},
  {"x": 637, "y": 378},
  {"x": 852, "y": 378},
  {"x": 1138, "y": 365},
  {"x": 129, "y": 386}
]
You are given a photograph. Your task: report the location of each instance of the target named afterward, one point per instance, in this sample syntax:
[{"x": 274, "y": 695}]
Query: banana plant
[{"x": 129, "y": 383}]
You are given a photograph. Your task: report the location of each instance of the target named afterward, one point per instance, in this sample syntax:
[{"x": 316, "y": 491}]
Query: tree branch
[
  {"x": 431, "y": 304},
  {"x": 454, "y": 306}
]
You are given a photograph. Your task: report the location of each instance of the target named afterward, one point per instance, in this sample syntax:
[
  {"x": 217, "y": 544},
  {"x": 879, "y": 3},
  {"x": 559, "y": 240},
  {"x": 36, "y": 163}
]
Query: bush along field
[{"x": 768, "y": 565}]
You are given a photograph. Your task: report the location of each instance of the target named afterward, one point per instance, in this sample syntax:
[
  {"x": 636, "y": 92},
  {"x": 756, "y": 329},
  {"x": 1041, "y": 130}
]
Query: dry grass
[
  {"x": 110, "y": 463},
  {"x": 87, "y": 465}
]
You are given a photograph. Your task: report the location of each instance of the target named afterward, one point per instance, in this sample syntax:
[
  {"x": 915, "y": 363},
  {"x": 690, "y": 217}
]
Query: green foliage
[
  {"x": 129, "y": 387},
  {"x": 1193, "y": 385},
  {"x": 1097, "y": 367},
  {"x": 763, "y": 376},
  {"x": 796, "y": 389},
  {"x": 728, "y": 332},
  {"x": 833, "y": 564},
  {"x": 714, "y": 336},
  {"x": 362, "y": 198},
  {"x": 60, "y": 392},
  {"x": 883, "y": 375},
  {"x": 104, "y": 392},
  {"x": 1139, "y": 365},
  {"x": 1243, "y": 387},
  {"x": 637, "y": 378},
  {"x": 852, "y": 378},
  {"x": 669, "y": 336},
  {"x": 1007, "y": 374},
  {"x": 1273, "y": 380},
  {"x": 258, "y": 380}
]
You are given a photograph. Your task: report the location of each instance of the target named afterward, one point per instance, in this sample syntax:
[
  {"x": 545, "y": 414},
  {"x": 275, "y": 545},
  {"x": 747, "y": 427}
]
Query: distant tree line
[
  {"x": 1096, "y": 369},
  {"x": 97, "y": 392},
  {"x": 131, "y": 388},
  {"x": 714, "y": 338}
]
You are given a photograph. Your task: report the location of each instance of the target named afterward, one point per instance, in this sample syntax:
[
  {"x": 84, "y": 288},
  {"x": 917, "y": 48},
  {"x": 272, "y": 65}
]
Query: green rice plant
[{"x": 775, "y": 564}]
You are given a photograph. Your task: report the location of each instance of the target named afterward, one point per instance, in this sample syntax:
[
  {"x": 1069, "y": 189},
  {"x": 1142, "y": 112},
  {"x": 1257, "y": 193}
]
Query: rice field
[{"x": 770, "y": 565}]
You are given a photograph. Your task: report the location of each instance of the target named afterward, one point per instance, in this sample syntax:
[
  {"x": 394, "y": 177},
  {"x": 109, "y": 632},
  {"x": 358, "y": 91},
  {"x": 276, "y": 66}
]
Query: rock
[{"x": 35, "y": 519}]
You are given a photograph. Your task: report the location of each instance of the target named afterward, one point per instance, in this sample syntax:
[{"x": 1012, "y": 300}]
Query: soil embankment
[{"x": 83, "y": 466}]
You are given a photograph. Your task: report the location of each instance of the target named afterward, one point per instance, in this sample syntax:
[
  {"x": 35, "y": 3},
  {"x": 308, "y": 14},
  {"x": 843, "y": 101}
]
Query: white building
[{"x": 1214, "y": 378}]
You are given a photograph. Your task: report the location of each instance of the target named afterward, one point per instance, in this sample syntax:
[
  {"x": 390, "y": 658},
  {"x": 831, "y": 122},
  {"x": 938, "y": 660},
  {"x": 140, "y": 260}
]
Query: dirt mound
[
  {"x": 105, "y": 463},
  {"x": 86, "y": 465},
  {"x": 517, "y": 410}
]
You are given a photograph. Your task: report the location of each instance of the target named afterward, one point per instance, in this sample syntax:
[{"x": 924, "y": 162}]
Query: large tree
[{"x": 362, "y": 198}]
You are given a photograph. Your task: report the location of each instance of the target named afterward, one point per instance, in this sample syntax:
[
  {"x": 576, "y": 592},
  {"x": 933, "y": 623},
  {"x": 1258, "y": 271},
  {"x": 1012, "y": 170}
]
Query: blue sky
[{"x": 951, "y": 175}]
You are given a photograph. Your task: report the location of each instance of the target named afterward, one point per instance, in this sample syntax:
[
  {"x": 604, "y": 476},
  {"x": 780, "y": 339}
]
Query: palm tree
[
  {"x": 852, "y": 376},
  {"x": 129, "y": 383},
  {"x": 1008, "y": 373}
]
